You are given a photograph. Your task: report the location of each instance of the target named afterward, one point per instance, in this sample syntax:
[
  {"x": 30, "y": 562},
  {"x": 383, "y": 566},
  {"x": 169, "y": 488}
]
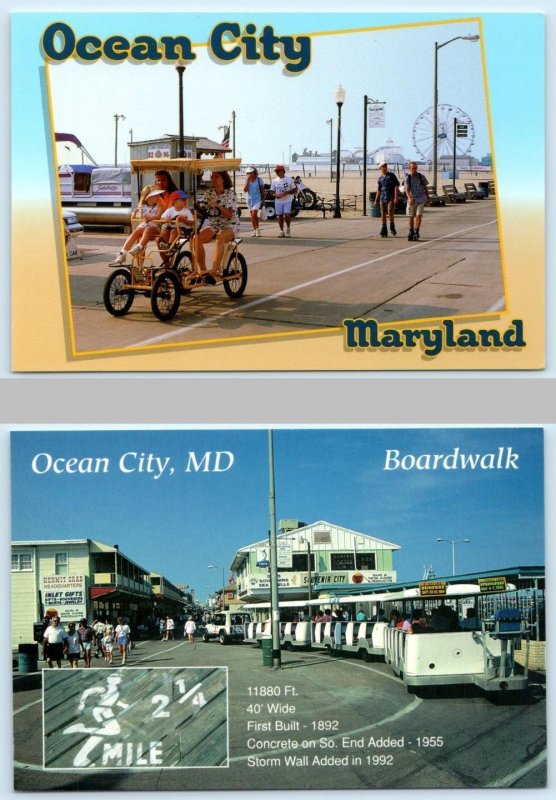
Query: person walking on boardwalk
[
  {"x": 284, "y": 188},
  {"x": 54, "y": 643},
  {"x": 87, "y": 637},
  {"x": 417, "y": 194},
  {"x": 254, "y": 194},
  {"x": 387, "y": 196}
]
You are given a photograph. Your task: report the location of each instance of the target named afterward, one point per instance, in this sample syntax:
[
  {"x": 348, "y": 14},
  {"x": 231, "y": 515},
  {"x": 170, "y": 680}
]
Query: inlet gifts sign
[{"x": 67, "y": 594}]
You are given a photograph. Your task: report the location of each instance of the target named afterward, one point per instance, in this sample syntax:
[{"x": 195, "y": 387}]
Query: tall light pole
[
  {"x": 234, "y": 145},
  {"x": 469, "y": 38},
  {"x": 180, "y": 69},
  {"x": 339, "y": 96},
  {"x": 330, "y": 122},
  {"x": 453, "y": 542},
  {"x": 213, "y": 566},
  {"x": 117, "y": 118},
  {"x": 274, "y": 598}
]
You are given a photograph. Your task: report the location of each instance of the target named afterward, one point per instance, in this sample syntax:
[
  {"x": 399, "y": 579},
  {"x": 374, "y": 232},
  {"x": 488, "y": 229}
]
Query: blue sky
[
  {"x": 274, "y": 110},
  {"x": 180, "y": 523}
]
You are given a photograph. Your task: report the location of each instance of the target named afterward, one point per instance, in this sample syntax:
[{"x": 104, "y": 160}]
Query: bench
[
  {"x": 453, "y": 196},
  {"x": 435, "y": 199},
  {"x": 473, "y": 193},
  {"x": 324, "y": 206}
]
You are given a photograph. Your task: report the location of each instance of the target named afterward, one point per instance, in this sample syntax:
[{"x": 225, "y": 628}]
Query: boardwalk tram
[
  {"x": 455, "y": 634},
  {"x": 166, "y": 275},
  {"x": 298, "y": 630},
  {"x": 484, "y": 656}
]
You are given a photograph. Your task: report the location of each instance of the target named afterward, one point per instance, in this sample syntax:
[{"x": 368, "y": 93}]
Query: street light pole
[
  {"x": 340, "y": 96},
  {"x": 454, "y": 163},
  {"x": 180, "y": 69},
  {"x": 365, "y": 104},
  {"x": 274, "y": 598},
  {"x": 330, "y": 122},
  {"x": 117, "y": 118},
  {"x": 234, "y": 145},
  {"x": 213, "y": 566},
  {"x": 453, "y": 542},
  {"x": 469, "y": 38}
]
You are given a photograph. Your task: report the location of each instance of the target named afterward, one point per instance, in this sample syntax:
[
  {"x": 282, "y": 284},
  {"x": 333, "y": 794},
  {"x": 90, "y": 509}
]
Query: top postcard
[{"x": 340, "y": 192}]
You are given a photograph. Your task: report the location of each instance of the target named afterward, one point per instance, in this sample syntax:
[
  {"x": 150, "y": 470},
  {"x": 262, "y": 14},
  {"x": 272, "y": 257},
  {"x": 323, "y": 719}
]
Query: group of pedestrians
[
  {"x": 79, "y": 642},
  {"x": 282, "y": 189},
  {"x": 164, "y": 201},
  {"x": 387, "y": 196},
  {"x": 167, "y": 628}
]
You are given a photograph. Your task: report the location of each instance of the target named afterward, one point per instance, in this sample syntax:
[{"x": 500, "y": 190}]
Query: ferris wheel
[{"x": 423, "y": 132}]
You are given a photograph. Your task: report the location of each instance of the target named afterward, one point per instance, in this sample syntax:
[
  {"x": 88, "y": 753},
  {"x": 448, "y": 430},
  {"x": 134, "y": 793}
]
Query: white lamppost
[
  {"x": 339, "y": 97},
  {"x": 213, "y": 566},
  {"x": 117, "y": 118}
]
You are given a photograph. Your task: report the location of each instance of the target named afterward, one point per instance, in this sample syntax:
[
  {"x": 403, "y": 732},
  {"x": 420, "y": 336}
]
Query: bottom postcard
[{"x": 249, "y": 609}]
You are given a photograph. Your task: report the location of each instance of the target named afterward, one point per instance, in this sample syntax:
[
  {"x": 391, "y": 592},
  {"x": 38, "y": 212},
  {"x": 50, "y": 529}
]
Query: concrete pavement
[
  {"x": 330, "y": 269},
  {"x": 319, "y": 722}
]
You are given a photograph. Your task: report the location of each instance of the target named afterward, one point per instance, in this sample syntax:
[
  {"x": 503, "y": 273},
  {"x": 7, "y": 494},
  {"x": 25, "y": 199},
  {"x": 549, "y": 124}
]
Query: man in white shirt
[
  {"x": 284, "y": 189},
  {"x": 53, "y": 643}
]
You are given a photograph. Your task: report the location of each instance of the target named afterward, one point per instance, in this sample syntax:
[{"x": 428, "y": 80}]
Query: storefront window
[
  {"x": 299, "y": 563},
  {"x": 350, "y": 561}
]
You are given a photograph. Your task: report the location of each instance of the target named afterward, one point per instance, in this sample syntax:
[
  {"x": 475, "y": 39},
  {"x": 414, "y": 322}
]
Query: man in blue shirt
[{"x": 387, "y": 195}]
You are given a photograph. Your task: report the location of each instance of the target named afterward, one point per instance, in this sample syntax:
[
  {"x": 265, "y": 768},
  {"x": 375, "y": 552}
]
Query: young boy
[{"x": 179, "y": 212}]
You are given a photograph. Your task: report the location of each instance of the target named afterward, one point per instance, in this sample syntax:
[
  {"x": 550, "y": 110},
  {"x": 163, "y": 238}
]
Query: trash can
[
  {"x": 374, "y": 211},
  {"x": 28, "y": 657},
  {"x": 266, "y": 642},
  {"x": 483, "y": 187}
]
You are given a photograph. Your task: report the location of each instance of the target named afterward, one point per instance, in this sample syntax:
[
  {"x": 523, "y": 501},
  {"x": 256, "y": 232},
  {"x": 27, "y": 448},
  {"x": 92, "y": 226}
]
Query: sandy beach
[{"x": 351, "y": 183}]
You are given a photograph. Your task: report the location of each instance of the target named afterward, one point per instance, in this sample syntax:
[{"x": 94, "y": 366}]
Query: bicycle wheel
[
  {"x": 235, "y": 275},
  {"x": 183, "y": 265},
  {"x": 118, "y": 299},
  {"x": 165, "y": 296}
]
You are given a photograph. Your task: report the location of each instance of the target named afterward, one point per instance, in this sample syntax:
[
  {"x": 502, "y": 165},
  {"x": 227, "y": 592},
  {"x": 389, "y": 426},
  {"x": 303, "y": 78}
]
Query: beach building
[{"x": 321, "y": 555}]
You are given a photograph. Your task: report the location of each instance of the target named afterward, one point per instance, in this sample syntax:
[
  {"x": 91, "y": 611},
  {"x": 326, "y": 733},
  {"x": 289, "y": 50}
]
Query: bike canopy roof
[{"x": 193, "y": 165}]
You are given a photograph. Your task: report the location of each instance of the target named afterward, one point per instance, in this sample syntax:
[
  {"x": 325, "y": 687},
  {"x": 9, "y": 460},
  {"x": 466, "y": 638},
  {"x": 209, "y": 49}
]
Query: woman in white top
[
  {"x": 190, "y": 629},
  {"x": 122, "y": 633}
]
